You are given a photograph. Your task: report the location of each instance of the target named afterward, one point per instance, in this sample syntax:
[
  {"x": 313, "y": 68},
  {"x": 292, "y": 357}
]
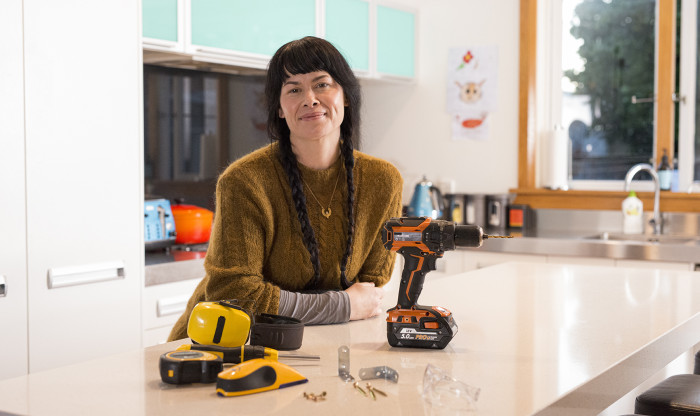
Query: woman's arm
[
  {"x": 362, "y": 300},
  {"x": 330, "y": 307},
  {"x": 238, "y": 245}
]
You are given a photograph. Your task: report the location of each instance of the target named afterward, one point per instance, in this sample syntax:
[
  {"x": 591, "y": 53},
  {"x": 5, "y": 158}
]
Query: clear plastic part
[{"x": 445, "y": 393}]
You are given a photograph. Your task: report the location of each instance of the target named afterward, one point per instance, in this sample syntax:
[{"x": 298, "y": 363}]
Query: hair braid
[
  {"x": 349, "y": 159},
  {"x": 289, "y": 163}
]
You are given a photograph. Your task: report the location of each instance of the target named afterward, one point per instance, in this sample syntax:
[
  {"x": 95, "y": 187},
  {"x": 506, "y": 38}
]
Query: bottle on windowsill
[{"x": 665, "y": 173}]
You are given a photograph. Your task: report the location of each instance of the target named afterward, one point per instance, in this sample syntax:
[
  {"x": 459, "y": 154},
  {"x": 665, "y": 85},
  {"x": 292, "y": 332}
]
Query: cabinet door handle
[
  {"x": 171, "y": 306},
  {"x": 3, "y": 287},
  {"x": 84, "y": 274}
]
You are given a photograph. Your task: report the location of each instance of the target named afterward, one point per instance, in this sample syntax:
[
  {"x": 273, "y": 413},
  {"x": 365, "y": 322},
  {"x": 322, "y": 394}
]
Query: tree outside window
[{"x": 608, "y": 90}]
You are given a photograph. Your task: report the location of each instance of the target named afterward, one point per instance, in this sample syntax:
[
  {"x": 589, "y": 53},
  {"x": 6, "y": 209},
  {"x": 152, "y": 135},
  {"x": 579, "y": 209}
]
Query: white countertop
[{"x": 535, "y": 338}]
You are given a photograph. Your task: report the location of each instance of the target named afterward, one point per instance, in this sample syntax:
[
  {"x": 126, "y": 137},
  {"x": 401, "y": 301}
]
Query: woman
[{"x": 297, "y": 224}]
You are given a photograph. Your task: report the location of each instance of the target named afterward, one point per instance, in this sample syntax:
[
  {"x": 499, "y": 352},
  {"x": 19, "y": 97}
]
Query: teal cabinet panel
[
  {"x": 395, "y": 41},
  {"x": 347, "y": 27},
  {"x": 260, "y": 26},
  {"x": 160, "y": 19}
]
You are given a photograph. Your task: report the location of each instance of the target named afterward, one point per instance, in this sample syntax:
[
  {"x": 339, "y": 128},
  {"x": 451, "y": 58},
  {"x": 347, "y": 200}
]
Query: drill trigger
[{"x": 431, "y": 260}]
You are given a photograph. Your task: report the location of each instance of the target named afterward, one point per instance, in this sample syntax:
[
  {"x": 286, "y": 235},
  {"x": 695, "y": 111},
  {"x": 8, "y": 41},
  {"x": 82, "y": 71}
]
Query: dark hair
[{"x": 311, "y": 54}]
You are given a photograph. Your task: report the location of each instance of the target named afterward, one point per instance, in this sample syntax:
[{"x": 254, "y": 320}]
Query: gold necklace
[{"x": 325, "y": 211}]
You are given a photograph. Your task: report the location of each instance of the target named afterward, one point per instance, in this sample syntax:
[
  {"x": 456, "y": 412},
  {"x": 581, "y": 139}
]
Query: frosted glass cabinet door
[
  {"x": 347, "y": 27},
  {"x": 395, "y": 42},
  {"x": 160, "y": 19},
  {"x": 258, "y": 27}
]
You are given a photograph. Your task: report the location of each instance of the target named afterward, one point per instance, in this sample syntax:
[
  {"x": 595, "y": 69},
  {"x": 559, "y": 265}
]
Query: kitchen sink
[{"x": 644, "y": 238}]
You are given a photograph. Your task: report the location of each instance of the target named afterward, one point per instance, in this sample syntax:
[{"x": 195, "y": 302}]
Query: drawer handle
[
  {"x": 171, "y": 306},
  {"x": 84, "y": 274},
  {"x": 3, "y": 287}
]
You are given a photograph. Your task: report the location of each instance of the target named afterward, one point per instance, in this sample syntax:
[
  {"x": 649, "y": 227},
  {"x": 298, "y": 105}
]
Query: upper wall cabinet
[
  {"x": 163, "y": 24},
  {"x": 347, "y": 27},
  {"x": 377, "y": 39},
  {"x": 253, "y": 30},
  {"x": 395, "y": 42}
]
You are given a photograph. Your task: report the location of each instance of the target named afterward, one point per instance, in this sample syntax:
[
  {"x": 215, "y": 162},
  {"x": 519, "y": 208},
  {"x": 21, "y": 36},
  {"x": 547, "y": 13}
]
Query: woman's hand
[{"x": 365, "y": 300}]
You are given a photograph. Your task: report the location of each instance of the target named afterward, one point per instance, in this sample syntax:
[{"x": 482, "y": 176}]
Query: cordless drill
[{"x": 421, "y": 241}]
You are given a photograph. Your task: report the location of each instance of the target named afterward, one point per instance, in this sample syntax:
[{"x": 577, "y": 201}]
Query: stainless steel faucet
[{"x": 656, "y": 220}]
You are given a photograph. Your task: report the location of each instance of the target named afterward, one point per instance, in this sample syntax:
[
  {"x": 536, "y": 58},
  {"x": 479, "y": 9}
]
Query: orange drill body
[{"x": 421, "y": 241}]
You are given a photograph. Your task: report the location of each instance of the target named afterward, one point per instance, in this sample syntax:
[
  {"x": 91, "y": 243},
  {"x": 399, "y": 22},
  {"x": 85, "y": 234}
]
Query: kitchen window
[
  {"x": 605, "y": 70},
  {"x": 604, "y": 97}
]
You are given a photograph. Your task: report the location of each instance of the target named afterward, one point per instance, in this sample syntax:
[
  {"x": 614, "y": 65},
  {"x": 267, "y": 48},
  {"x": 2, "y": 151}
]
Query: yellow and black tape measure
[{"x": 182, "y": 367}]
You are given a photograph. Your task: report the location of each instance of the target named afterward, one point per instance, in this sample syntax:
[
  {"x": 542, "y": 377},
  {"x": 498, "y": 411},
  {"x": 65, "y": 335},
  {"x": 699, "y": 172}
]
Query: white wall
[{"x": 409, "y": 126}]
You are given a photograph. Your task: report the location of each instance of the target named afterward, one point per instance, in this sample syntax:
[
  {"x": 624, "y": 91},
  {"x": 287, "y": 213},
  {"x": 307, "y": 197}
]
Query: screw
[
  {"x": 357, "y": 386},
  {"x": 375, "y": 390},
  {"x": 316, "y": 398}
]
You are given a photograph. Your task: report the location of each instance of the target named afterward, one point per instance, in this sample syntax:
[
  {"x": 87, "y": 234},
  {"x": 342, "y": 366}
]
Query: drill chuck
[{"x": 468, "y": 236}]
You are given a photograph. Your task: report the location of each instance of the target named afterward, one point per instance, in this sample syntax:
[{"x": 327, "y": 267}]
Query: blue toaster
[{"x": 159, "y": 224}]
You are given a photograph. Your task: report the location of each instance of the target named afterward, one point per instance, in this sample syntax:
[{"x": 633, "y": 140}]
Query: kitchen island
[{"x": 536, "y": 339}]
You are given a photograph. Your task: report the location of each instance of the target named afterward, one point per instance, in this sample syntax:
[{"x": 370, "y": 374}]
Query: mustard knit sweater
[{"x": 256, "y": 245}]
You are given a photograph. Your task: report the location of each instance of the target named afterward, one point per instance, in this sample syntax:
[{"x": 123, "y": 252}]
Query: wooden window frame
[{"x": 527, "y": 191}]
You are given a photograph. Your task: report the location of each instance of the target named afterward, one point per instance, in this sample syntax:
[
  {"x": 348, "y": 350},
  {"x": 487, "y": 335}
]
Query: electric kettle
[{"x": 426, "y": 201}]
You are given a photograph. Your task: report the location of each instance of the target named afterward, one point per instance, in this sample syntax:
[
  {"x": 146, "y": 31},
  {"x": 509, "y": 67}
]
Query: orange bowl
[{"x": 192, "y": 224}]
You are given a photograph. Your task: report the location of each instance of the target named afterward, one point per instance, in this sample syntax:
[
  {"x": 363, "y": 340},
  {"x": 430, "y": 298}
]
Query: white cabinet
[
  {"x": 78, "y": 166},
  {"x": 13, "y": 255},
  {"x": 162, "y": 306}
]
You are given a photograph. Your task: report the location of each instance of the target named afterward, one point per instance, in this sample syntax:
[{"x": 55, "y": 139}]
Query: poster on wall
[{"x": 472, "y": 85}]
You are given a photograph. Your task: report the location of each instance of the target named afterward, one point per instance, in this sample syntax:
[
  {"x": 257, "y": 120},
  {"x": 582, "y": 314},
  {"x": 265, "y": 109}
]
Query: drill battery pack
[{"x": 420, "y": 327}]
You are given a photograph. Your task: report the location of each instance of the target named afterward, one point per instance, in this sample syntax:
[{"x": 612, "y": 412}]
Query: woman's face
[{"x": 313, "y": 106}]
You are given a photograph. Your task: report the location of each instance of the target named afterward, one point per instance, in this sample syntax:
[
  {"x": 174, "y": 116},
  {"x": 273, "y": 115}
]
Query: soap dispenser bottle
[
  {"x": 632, "y": 210},
  {"x": 665, "y": 173}
]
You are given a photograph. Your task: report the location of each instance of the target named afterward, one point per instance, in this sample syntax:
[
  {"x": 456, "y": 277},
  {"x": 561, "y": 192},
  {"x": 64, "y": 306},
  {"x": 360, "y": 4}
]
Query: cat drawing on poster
[{"x": 471, "y": 90}]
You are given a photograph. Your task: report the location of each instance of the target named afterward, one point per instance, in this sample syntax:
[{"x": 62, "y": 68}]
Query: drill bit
[
  {"x": 299, "y": 356},
  {"x": 496, "y": 236}
]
